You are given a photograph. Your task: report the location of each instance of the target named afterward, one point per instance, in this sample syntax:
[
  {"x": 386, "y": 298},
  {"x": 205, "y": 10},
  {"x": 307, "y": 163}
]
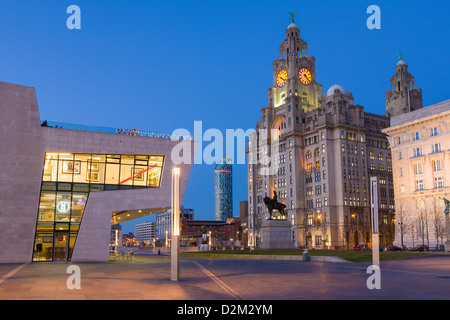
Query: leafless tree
[
  {"x": 422, "y": 228},
  {"x": 438, "y": 223},
  {"x": 402, "y": 229}
]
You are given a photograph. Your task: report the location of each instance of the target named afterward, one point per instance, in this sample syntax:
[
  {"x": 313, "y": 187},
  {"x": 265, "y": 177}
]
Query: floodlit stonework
[
  {"x": 420, "y": 144},
  {"x": 23, "y": 148},
  {"x": 324, "y": 148}
]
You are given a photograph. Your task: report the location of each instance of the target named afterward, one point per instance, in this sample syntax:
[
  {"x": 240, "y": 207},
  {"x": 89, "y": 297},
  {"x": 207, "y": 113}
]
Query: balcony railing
[{"x": 129, "y": 132}]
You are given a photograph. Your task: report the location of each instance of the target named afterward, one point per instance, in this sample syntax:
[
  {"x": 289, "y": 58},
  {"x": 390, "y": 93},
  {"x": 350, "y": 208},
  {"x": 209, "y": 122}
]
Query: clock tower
[
  {"x": 292, "y": 99},
  {"x": 404, "y": 96},
  {"x": 294, "y": 75},
  {"x": 316, "y": 151}
]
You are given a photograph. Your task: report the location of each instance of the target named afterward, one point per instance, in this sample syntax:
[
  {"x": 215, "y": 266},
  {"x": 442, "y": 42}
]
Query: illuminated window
[
  {"x": 316, "y": 152},
  {"x": 67, "y": 181},
  {"x": 318, "y": 240},
  {"x": 308, "y": 166}
]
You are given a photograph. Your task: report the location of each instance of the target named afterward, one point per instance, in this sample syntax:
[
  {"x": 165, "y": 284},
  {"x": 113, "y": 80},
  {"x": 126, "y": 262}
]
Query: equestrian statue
[{"x": 273, "y": 204}]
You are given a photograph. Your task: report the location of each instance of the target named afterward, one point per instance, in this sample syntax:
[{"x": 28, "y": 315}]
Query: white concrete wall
[
  {"x": 23, "y": 143},
  {"x": 21, "y": 163}
]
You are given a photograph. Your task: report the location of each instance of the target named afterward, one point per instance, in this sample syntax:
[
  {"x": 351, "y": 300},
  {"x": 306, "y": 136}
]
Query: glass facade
[
  {"x": 67, "y": 180},
  {"x": 223, "y": 190}
]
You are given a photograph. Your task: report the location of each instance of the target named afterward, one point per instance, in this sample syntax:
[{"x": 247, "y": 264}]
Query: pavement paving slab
[{"x": 148, "y": 278}]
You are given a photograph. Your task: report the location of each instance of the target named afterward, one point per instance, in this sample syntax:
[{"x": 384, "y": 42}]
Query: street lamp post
[
  {"x": 375, "y": 237},
  {"x": 117, "y": 241},
  {"x": 167, "y": 238},
  {"x": 175, "y": 247},
  {"x": 209, "y": 240}
]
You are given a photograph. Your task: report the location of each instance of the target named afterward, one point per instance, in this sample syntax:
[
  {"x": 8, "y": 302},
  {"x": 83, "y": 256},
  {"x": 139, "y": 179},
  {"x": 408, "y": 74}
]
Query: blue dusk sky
[{"x": 161, "y": 65}]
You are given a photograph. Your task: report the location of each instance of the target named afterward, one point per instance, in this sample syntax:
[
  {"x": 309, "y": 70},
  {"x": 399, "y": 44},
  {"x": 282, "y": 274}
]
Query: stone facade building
[
  {"x": 420, "y": 144},
  {"x": 164, "y": 222},
  {"x": 145, "y": 232},
  {"x": 317, "y": 152}
]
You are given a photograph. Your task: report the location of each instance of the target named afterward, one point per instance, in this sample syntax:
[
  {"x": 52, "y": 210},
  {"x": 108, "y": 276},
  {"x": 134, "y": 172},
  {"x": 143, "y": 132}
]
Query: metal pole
[
  {"x": 209, "y": 241},
  {"x": 375, "y": 237},
  {"x": 175, "y": 246},
  {"x": 167, "y": 239},
  {"x": 117, "y": 241}
]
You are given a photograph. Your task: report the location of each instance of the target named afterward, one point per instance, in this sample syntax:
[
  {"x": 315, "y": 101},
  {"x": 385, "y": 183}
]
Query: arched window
[{"x": 316, "y": 152}]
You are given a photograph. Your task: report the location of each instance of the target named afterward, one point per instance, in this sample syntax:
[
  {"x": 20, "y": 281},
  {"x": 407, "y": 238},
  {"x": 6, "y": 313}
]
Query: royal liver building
[{"x": 317, "y": 152}]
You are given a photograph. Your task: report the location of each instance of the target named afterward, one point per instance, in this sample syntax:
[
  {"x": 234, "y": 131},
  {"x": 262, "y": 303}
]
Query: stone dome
[
  {"x": 330, "y": 91},
  {"x": 292, "y": 25},
  {"x": 401, "y": 62}
]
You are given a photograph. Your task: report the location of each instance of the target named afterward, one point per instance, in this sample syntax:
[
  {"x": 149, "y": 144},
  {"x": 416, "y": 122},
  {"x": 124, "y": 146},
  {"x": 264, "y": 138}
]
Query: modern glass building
[
  {"x": 67, "y": 181},
  {"x": 63, "y": 186},
  {"x": 223, "y": 190}
]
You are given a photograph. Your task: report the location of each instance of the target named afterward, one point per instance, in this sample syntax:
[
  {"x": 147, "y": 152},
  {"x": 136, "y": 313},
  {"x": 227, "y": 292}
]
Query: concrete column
[
  {"x": 375, "y": 249},
  {"x": 175, "y": 250},
  {"x": 175, "y": 259}
]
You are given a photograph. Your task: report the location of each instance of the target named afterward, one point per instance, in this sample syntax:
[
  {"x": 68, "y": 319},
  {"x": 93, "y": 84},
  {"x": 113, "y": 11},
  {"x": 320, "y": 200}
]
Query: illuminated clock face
[
  {"x": 282, "y": 78},
  {"x": 305, "y": 76}
]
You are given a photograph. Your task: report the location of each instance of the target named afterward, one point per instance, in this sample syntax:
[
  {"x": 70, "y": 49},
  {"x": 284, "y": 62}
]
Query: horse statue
[{"x": 272, "y": 204}]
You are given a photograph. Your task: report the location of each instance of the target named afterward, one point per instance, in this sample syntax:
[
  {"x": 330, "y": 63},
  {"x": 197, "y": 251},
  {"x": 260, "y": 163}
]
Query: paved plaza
[{"x": 148, "y": 278}]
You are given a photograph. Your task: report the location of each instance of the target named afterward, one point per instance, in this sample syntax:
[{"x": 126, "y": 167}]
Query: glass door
[{"x": 61, "y": 242}]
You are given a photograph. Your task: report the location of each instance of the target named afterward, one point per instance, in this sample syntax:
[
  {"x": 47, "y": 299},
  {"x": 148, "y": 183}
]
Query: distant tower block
[
  {"x": 223, "y": 190},
  {"x": 403, "y": 97}
]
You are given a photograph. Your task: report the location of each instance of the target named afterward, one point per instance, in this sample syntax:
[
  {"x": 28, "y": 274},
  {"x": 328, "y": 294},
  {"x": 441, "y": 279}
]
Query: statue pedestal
[{"x": 276, "y": 234}]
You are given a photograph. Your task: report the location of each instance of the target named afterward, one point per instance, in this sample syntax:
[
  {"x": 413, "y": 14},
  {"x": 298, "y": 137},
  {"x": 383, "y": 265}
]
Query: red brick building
[{"x": 223, "y": 233}]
